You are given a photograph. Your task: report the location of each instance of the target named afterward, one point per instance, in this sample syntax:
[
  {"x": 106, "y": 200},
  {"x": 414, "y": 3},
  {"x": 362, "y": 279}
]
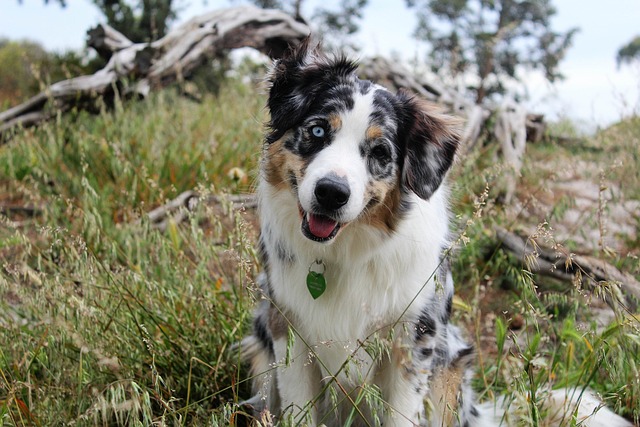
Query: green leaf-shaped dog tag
[{"x": 316, "y": 284}]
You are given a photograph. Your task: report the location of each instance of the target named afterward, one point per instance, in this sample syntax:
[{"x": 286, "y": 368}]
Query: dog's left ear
[{"x": 431, "y": 141}]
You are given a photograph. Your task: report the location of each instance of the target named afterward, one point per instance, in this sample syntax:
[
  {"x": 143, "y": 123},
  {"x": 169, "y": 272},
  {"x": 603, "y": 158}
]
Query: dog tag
[{"x": 316, "y": 284}]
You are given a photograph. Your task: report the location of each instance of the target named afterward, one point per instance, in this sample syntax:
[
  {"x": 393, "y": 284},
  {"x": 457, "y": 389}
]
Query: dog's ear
[
  {"x": 296, "y": 79},
  {"x": 431, "y": 141}
]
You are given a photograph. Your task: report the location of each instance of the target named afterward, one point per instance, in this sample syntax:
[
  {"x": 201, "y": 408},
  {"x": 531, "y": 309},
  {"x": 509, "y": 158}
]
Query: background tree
[
  {"x": 629, "y": 53},
  {"x": 336, "y": 24},
  {"x": 20, "y": 62},
  {"x": 292, "y": 7},
  {"x": 26, "y": 67},
  {"x": 62, "y": 3},
  {"x": 491, "y": 39},
  {"x": 141, "y": 20}
]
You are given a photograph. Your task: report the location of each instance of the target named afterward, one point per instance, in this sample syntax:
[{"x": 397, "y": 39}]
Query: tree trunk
[
  {"x": 136, "y": 68},
  {"x": 579, "y": 270}
]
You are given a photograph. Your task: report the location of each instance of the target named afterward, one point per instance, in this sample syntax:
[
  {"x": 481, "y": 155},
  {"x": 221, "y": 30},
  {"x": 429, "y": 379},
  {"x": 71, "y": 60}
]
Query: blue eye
[{"x": 317, "y": 131}]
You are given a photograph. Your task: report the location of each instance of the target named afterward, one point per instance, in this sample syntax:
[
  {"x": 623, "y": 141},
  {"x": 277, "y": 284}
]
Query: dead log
[
  {"x": 511, "y": 132},
  {"x": 536, "y": 127},
  {"x": 594, "y": 273},
  {"x": 394, "y": 76},
  {"x": 10, "y": 210},
  {"x": 136, "y": 68},
  {"x": 178, "y": 209},
  {"x": 476, "y": 117},
  {"x": 106, "y": 40}
]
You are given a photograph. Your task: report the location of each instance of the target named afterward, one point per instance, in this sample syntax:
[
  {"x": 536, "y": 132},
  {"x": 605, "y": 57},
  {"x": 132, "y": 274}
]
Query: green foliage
[
  {"x": 629, "y": 53},
  {"x": 491, "y": 39},
  {"x": 20, "y": 65},
  {"x": 339, "y": 24},
  {"x": 26, "y": 68},
  {"x": 112, "y": 321},
  {"x": 619, "y": 143},
  {"x": 557, "y": 343},
  {"x": 139, "y": 21},
  {"x": 335, "y": 25}
]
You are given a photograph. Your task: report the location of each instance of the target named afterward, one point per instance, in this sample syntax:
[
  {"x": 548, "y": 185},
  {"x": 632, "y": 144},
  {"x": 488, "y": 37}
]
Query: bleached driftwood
[
  {"x": 106, "y": 40},
  {"x": 394, "y": 75},
  {"x": 136, "y": 68},
  {"x": 511, "y": 131},
  {"x": 178, "y": 209},
  {"x": 593, "y": 273},
  {"x": 536, "y": 127},
  {"x": 476, "y": 117}
]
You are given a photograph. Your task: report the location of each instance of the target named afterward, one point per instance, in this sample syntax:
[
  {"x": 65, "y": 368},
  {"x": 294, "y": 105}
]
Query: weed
[{"x": 111, "y": 322}]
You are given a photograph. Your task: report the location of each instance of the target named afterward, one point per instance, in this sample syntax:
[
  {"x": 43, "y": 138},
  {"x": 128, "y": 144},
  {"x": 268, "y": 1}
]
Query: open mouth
[{"x": 318, "y": 228}]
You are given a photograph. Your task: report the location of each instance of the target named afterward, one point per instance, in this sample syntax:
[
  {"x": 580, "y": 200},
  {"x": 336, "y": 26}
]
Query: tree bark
[
  {"x": 595, "y": 274},
  {"x": 511, "y": 131},
  {"x": 136, "y": 68},
  {"x": 178, "y": 209}
]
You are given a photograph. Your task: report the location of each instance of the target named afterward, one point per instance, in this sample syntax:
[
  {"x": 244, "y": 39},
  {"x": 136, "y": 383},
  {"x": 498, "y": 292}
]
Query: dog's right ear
[
  {"x": 287, "y": 101},
  {"x": 297, "y": 79}
]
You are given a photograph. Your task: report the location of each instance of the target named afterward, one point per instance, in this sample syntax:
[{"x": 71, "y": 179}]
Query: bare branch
[{"x": 136, "y": 68}]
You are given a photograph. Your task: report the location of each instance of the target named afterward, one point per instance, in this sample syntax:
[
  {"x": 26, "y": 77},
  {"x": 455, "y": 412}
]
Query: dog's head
[{"x": 349, "y": 150}]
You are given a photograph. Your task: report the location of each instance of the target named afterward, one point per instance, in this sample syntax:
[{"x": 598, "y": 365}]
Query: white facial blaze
[{"x": 342, "y": 158}]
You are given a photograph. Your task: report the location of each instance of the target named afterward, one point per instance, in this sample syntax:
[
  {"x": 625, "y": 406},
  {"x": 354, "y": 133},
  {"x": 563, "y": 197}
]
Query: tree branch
[
  {"x": 592, "y": 272},
  {"x": 136, "y": 68}
]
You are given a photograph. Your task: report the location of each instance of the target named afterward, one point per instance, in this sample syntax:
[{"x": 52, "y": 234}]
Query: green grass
[
  {"x": 110, "y": 320},
  {"x": 106, "y": 320},
  {"x": 559, "y": 343}
]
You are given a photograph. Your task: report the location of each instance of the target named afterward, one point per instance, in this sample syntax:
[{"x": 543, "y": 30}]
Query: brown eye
[{"x": 381, "y": 153}]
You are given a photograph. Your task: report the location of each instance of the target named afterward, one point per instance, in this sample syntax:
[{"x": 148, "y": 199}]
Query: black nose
[{"x": 332, "y": 193}]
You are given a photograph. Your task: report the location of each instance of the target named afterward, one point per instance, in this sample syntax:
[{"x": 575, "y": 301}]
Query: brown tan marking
[
  {"x": 335, "y": 122},
  {"x": 444, "y": 391},
  {"x": 278, "y": 324},
  {"x": 439, "y": 125},
  {"x": 277, "y": 162},
  {"x": 385, "y": 214},
  {"x": 373, "y": 132}
]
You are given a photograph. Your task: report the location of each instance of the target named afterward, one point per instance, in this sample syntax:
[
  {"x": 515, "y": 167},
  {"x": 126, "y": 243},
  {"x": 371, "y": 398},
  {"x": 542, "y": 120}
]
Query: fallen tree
[
  {"x": 179, "y": 209},
  {"x": 136, "y": 68},
  {"x": 594, "y": 274}
]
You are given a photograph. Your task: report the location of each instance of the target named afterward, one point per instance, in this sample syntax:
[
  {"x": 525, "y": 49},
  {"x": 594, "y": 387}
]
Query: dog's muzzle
[{"x": 331, "y": 193}]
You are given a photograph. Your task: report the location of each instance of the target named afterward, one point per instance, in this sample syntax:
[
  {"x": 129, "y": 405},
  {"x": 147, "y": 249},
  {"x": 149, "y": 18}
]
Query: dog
[{"x": 354, "y": 324}]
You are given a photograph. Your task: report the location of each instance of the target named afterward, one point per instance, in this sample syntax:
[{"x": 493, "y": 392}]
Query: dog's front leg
[
  {"x": 298, "y": 381},
  {"x": 399, "y": 383}
]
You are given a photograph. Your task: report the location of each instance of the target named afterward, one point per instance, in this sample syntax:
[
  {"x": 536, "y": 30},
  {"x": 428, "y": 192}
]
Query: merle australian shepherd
[{"x": 354, "y": 322}]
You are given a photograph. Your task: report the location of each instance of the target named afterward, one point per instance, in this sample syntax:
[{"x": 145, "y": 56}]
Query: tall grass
[
  {"x": 537, "y": 333},
  {"x": 105, "y": 320}
]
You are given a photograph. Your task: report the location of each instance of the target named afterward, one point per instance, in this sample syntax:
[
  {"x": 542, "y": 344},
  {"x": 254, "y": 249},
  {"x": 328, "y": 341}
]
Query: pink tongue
[{"x": 321, "y": 226}]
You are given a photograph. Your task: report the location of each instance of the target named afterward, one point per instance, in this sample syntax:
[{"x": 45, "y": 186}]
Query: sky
[{"x": 595, "y": 92}]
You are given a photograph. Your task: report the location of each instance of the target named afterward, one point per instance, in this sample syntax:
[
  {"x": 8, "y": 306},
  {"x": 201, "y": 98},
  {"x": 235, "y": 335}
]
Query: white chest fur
[{"x": 373, "y": 279}]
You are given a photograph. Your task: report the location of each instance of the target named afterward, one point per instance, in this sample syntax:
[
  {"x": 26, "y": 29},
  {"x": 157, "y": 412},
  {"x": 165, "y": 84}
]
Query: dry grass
[{"x": 108, "y": 321}]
